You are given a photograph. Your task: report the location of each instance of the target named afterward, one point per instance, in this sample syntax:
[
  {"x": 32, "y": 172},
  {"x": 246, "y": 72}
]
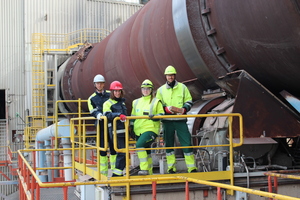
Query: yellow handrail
[
  {"x": 221, "y": 185},
  {"x": 127, "y": 180}
]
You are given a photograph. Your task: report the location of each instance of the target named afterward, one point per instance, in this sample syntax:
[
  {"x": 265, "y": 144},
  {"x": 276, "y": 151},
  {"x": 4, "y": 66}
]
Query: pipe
[
  {"x": 49, "y": 132},
  {"x": 56, "y": 163},
  {"x": 63, "y": 130},
  {"x": 48, "y": 160},
  {"x": 40, "y": 160},
  {"x": 247, "y": 170},
  {"x": 66, "y": 143}
]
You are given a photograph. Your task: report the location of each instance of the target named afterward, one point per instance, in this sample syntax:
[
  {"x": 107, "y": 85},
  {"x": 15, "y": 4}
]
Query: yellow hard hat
[
  {"x": 147, "y": 84},
  {"x": 170, "y": 70}
]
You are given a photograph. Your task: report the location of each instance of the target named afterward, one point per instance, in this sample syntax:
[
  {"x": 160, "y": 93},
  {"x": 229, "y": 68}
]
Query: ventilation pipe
[{"x": 44, "y": 135}]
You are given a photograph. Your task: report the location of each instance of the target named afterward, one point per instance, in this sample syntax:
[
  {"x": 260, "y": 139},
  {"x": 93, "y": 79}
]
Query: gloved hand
[
  {"x": 168, "y": 110},
  {"x": 131, "y": 132},
  {"x": 122, "y": 118},
  {"x": 151, "y": 116},
  {"x": 99, "y": 116}
]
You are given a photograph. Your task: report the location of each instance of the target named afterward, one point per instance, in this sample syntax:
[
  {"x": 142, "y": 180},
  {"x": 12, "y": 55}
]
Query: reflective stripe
[
  {"x": 188, "y": 154},
  {"x": 171, "y": 159},
  {"x": 104, "y": 172},
  {"x": 144, "y": 159},
  {"x": 121, "y": 131},
  {"x": 174, "y": 119},
  {"x": 190, "y": 161},
  {"x": 135, "y": 103},
  {"x": 95, "y": 109},
  {"x": 117, "y": 171},
  {"x": 162, "y": 98},
  {"x": 151, "y": 105},
  {"x": 103, "y": 164},
  {"x": 190, "y": 165},
  {"x": 113, "y": 159},
  {"x": 110, "y": 101},
  {"x": 112, "y": 164},
  {"x": 170, "y": 165},
  {"x": 169, "y": 154},
  {"x": 118, "y": 131},
  {"x": 190, "y": 103}
]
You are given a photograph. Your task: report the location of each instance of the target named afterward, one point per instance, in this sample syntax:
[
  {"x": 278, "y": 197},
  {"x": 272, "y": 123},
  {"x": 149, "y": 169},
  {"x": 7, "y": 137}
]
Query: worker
[
  {"x": 146, "y": 130},
  {"x": 176, "y": 99},
  {"x": 95, "y": 105},
  {"x": 115, "y": 107}
]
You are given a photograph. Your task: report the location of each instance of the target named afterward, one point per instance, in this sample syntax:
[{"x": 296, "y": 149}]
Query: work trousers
[
  {"x": 109, "y": 138},
  {"x": 121, "y": 157},
  {"x": 144, "y": 141},
  {"x": 182, "y": 131}
]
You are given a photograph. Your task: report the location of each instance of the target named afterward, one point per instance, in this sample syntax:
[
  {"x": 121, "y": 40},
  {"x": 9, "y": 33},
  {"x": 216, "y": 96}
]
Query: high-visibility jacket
[
  {"x": 143, "y": 107},
  {"x": 95, "y": 102},
  {"x": 113, "y": 108},
  {"x": 178, "y": 96}
]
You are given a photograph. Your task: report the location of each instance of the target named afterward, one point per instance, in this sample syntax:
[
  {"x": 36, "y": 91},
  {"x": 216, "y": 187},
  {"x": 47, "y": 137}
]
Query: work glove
[
  {"x": 99, "y": 116},
  {"x": 168, "y": 110},
  {"x": 131, "y": 132},
  {"x": 151, "y": 116},
  {"x": 122, "y": 118}
]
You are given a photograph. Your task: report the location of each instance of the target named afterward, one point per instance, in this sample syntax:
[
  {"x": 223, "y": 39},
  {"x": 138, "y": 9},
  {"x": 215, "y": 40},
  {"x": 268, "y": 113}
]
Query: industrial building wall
[
  {"x": 19, "y": 19},
  {"x": 12, "y": 64}
]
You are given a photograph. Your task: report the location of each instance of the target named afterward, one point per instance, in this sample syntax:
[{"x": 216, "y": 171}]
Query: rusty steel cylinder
[{"x": 202, "y": 39}]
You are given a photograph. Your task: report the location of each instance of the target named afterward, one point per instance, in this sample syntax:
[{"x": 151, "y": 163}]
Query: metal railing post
[
  {"x": 187, "y": 191},
  {"x": 65, "y": 191},
  {"x": 219, "y": 193},
  {"x": 154, "y": 190}
]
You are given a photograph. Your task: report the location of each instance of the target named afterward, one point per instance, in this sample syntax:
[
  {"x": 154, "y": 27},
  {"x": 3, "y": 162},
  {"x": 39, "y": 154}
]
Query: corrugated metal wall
[
  {"x": 19, "y": 19},
  {"x": 12, "y": 64}
]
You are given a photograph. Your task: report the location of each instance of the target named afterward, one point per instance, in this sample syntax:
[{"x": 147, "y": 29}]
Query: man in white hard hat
[{"x": 95, "y": 105}]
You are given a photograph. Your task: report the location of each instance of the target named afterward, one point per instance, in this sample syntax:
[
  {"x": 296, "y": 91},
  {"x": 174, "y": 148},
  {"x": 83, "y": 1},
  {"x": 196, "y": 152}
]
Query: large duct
[{"x": 204, "y": 40}]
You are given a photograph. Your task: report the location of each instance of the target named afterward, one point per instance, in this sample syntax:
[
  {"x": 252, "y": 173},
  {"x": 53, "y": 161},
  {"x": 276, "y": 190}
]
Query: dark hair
[{"x": 112, "y": 96}]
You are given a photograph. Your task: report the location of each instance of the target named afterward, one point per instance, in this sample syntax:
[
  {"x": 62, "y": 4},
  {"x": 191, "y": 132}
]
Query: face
[
  {"x": 146, "y": 91},
  {"x": 99, "y": 86},
  {"x": 117, "y": 93},
  {"x": 170, "y": 78}
]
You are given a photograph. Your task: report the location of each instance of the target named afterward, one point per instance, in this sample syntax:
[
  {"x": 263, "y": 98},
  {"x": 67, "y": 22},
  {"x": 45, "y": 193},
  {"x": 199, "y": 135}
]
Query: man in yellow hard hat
[{"x": 176, "y": 99}]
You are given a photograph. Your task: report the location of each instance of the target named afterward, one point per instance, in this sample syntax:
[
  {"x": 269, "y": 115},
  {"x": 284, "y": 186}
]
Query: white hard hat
[{"x": 99, "y": 78}]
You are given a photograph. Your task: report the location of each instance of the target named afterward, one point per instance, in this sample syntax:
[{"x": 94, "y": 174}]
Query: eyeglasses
[
  {"x": 146, "y": 84},
  {"x": 146, "y": 88}
]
